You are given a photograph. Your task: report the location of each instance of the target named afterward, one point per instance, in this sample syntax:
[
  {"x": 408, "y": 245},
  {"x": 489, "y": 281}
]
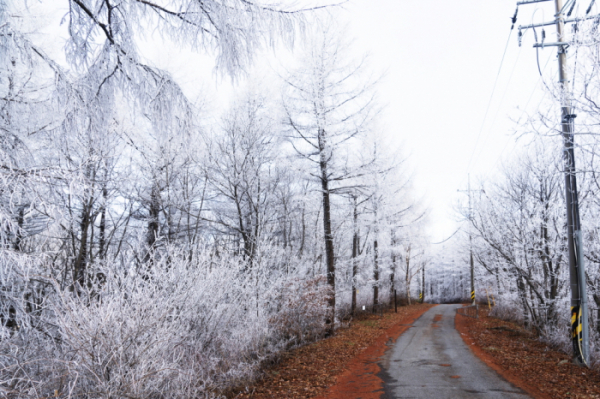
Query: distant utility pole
[
  {"x": 468, "y": 191},
  {"x": 579, "y": 306},
  {"x": 423, "y": 283}
]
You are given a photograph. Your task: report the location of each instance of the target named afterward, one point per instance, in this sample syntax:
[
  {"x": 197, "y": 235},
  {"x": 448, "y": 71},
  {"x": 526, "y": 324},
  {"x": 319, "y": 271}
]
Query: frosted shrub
[
  {"x": 158, "y": 335},
  {"x": 163, "y": 329},
  {"x": 508, "y": 312},
  {"x": 302, "y": 310}
]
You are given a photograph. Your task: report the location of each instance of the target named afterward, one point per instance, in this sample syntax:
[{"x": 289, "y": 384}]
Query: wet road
[{"x": 430, "y": 360}]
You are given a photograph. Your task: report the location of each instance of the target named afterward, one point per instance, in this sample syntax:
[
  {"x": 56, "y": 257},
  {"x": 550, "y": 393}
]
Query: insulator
[
  {"x": 571, "y": 9},
  {"x": 590, "y": 7}
]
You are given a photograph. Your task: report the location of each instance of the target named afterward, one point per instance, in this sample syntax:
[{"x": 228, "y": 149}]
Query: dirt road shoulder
[
  {"x": 522, "y": 359},
  {"x": 323, "y": 368}
]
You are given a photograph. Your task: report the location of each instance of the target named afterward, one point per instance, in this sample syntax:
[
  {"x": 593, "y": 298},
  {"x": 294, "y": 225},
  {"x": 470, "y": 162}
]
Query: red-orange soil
[
  {"x": 360, "y": 380},
  {"x": 343, "y": 366},
  {"x": 522, "y": 359}
]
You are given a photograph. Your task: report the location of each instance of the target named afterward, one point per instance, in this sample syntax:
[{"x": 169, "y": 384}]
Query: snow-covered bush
[
  {"x": 509, "y": 312},
  {"x": 166, "y": 328},
  {"x": 302, "y": 311}
]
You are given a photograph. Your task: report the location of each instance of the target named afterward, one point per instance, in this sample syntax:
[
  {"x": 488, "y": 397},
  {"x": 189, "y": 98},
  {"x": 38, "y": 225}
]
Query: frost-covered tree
[
  {"x": 327, "y": 105},
  {"x": 242, "y": 171},
  {"x": 521, "y": 220},
  {"x": 143, "y": 252},
  {"x": 233, "y": 29}
]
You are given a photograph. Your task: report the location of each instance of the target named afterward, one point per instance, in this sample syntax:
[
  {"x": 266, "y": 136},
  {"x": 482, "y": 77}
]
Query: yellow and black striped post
[
  {"x": 473, "y": 295},
  {"x": 576, "y": 334},
  {"x": 421, "y": 296}
]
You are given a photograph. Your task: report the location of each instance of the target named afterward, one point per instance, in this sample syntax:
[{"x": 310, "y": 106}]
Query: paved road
[{"x": 430, "y": 360}]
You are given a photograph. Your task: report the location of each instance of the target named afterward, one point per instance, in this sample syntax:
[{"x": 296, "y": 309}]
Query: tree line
[{"x": 149, "y": 251}]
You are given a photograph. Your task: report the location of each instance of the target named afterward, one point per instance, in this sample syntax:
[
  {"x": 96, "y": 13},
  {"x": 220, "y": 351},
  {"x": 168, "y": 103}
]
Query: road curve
[{"x": 430, "y": 360}]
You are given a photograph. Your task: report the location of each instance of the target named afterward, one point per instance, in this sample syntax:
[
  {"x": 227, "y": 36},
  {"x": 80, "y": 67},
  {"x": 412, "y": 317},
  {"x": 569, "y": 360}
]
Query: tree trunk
[
  {"x": 153, "y": 225},
  {"x": 329, "y": 252},
  {"x": 376, "y": 261},
  {"x": 102, "y": 238},
  {"x": 18, "y": 246},
  {"x": 375, "y": 275},
  {"x": 80, "y": 264},
  {"x": 407, "y": 275},
  {"x": 355, "y": 246},
  {"x": 303, "y": 233},
  {"x": 597, "y": 301},
  {"x": 393, "y": 274},
  {"x": 523, "y": 295}
]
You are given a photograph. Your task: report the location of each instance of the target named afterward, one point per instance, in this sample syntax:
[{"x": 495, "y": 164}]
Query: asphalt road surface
[{"x": 431, "y": 361}]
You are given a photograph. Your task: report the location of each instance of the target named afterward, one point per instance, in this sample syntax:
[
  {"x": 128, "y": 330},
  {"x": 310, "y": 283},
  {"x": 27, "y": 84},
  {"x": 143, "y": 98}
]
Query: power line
[
  {"x": 443, "y": 241},
  {"x": 490, "y": 100},
  {"x": 535, "y": 87},
  {"x": 487, "y": 136}
]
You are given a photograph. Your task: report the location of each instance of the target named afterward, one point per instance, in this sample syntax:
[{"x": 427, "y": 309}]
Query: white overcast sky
[{"x": 441, "y": 60}]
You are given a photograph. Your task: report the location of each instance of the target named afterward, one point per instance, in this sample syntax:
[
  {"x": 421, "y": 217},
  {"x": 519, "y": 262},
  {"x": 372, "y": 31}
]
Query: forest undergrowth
[{"x": 166, "y": 328}]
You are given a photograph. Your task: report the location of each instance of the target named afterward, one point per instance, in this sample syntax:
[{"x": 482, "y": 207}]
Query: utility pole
[
  {"x": 579, "y": 308},
  {"x": 471, "y": 246},
  {"x": 423, "y": 283},
  {"x": 471, "y": 263}
]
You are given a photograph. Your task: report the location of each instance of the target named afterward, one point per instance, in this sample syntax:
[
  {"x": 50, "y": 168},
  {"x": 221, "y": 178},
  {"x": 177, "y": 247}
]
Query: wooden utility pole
[
  {"x": 471, "y": 249},
  {"x": 471, "y": 263},
  {"x": 579, "y": 312},
  {"x": 579, "y": 308},
  {"x": 423, "y": 283}
]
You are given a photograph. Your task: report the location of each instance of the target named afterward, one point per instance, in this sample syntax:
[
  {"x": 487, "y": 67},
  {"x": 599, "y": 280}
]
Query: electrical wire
[
  {"x": 535, "y": 88},
  {"x": 443, "y": 241},
  {"x": 537, "y": 58},
  {"x": 541, "y": 78},
  {"x": 537, "y": 49},
  {"x": 500, "y": 104},
  {"x": 489, "y": 101}
]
